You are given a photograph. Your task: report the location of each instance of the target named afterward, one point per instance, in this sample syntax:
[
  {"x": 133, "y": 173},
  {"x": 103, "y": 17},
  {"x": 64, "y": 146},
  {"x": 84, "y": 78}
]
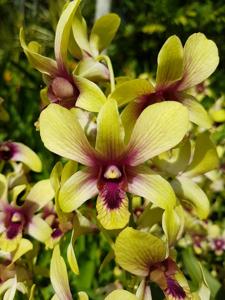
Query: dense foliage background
[{"x": 145, "y": 26}]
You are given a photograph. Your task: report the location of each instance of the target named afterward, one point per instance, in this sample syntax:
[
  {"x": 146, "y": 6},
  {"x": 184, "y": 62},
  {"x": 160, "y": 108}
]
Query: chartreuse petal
[
  {"x": 71, "y": 255},
  {"x": 113, "y": 218},
  {"x": 62, "y": 33},
  {"x": 172, "y": 223},
  {"x": 150, "y": 217},
  {"x": 152, "y": 187},
  {"x": 10, "y": 286},
  {"x": 55, "y": 176},
  {"x": 103, "y": 32},
  {"x": 83, "y": 296},
  {"x": 197, "y": 113},
  {"x": 110, "y": 133},
  {"x": 131, "y": 90},
  {"x": 121, "y": 295},
  {"x": 27, "y": 156},
  {"x": 189, "y": 191},
  {"x": 92, "y": 69},
  {"x": 68, "y": 170},
  {"x": 77, "y": 189},
  {"x": 200, "y": 60},
  {"x": 91, "y": 97},
  {"x": 16, "y": 191},
  {"x": 3, "y": 188},
  {"x": 41, "y": 193},
  {"x": 170, "y": 62},
  {"x": 39, "y": 229},
  {"x": 58, "y": 276},
  {"x": 80, "y": 33},
  {"x": 136, "y": 251},
  {"x": 63, "y": 135},
  {"x": 23, "y": 247},
  {"x": 160, "y": 127},
  {"x": 205, "y": 156},
  {"x": 176, "y": 160},
  {"x": 43, "y": 64}
]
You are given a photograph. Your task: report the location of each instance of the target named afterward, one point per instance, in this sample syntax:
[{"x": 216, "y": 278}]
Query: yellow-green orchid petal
[
  {"x": 58, "y": 276},
  {"x": 68, "y": 170},
  {"x": 160, "y": 127},
  {"x": 83, "y": 296},
  {"x": 91, "y": 97},
  {"x": 116, "y": 218},
  {"x": 176, "y": 160},
  {"x": 92, "y": 69},
  {"x": 27, "y": 156},
  {"x": 43, "y": 64},
  {"x": 170, "y": 62},
  {"x": 16, "y": 191},
  {"x": 136, "y": 251},
  {"x": 143, "y": 291},
  {"x": 172, "y": 223},
  {"x": 77, "y": 189},
  {"x": 73, "y": 47},
  {"x": 99, "y": 40},
  {"x": 41, "y": 193},
  {"x": 205, "y": 156},
  {"x": 109, "y": 140},
  {"x": 71, "y": 255},
  {"x": 23, "y": 247},
  {"x": 189, "y": 191},
  {"x": 55, "y": 176},
  {"x": 63, "y": 135},
  {"x": 10, "y": 287},
  {"x": 3, "y": 188},
  {"x": 197, "y": 113},
  {"x": 80, "y": 33},
  {"x": 200, "y": 60},
  {"x": 131, "y": 90},
  {"x": 150, "y": 217},
  {"x": 121, "y": 295},
  {"x": 39, "y": 229},
  {"x": 153, "y": 187},
  {"x": 63, "y": 31}
]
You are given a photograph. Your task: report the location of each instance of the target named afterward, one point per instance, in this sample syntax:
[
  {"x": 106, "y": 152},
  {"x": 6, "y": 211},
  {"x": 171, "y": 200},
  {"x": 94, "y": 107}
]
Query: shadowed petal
[
  {"x": 170, "y": 62},
  {"x": 160, "y": 127},
  {"x": 63, "y": 135},
  {"x": 110, "y": 133},
  {"x": 136, "y": 251},
  {"x": 153, "y": 187},
  {"x": 200, "y": 60},
  {"x": 79, "y": 188}
]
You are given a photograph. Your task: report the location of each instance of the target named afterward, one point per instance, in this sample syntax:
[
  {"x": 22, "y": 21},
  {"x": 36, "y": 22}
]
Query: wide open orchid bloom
[
  {"x": 112, "y": 168},
  {"x": 16, "y": 220},
  {"x": 64, "y": 88},
  {"x": 179, "y": 68},
  {"x": 12, "y": 151},
  {"x": 144, "y": 255},
  {"x": 88, "y": 48},
  {"x": 182, "y": 167}
]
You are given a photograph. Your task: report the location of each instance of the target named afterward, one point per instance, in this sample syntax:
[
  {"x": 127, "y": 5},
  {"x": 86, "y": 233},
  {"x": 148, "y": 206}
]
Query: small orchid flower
[
  {"x": 16, "y": 220},
  {"x": 182, "y": 167},
  {"x": 179, "y": 68},
  {"x": 112, "y": 168},
  {"x": 64, "y": 88},
  {"x": 144, "y": 255},
  {"x": 12, "y": 151},
  {"x": 89, "y": 48}
]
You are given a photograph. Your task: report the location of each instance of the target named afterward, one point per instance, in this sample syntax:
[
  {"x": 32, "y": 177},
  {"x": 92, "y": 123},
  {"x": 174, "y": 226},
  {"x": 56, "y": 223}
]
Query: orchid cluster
[{"x": 135, "y": 156}]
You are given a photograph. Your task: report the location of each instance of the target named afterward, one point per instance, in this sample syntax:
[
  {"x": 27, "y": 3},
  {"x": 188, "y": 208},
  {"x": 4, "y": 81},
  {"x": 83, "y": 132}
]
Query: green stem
[{"x": 110, "y": 68}]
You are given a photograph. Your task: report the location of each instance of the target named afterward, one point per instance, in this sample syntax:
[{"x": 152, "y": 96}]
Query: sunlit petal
[
  {"x": 121, "y": 295},
  {"x": 39, "y": 229}
]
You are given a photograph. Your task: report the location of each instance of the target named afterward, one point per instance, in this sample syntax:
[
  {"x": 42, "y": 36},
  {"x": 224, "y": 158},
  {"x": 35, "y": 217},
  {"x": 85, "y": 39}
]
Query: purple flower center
[
  {"x": 112, "y": 187},
  {"x": 7, "y": 150},
  {"x": 219, "y": 244},
  {"x": 174, "y": 289}
]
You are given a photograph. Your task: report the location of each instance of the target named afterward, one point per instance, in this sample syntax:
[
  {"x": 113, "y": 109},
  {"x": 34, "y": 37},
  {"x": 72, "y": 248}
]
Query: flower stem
[{"x": 110, "y": 68}]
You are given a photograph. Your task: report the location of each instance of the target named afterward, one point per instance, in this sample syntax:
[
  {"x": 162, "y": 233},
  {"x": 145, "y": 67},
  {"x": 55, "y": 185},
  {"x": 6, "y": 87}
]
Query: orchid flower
[
  {"x": 182, "y": 167},
  {"x": 112, "y": 168},
  {"x": 179, "y": 68},
  {"x": 89, "y": 48},
  {"x": 144, "y": 255},
  {"x": 64, "y": 88},
  {"x": 16, "y": 220},
  {"x": 12, "y": 151}
]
